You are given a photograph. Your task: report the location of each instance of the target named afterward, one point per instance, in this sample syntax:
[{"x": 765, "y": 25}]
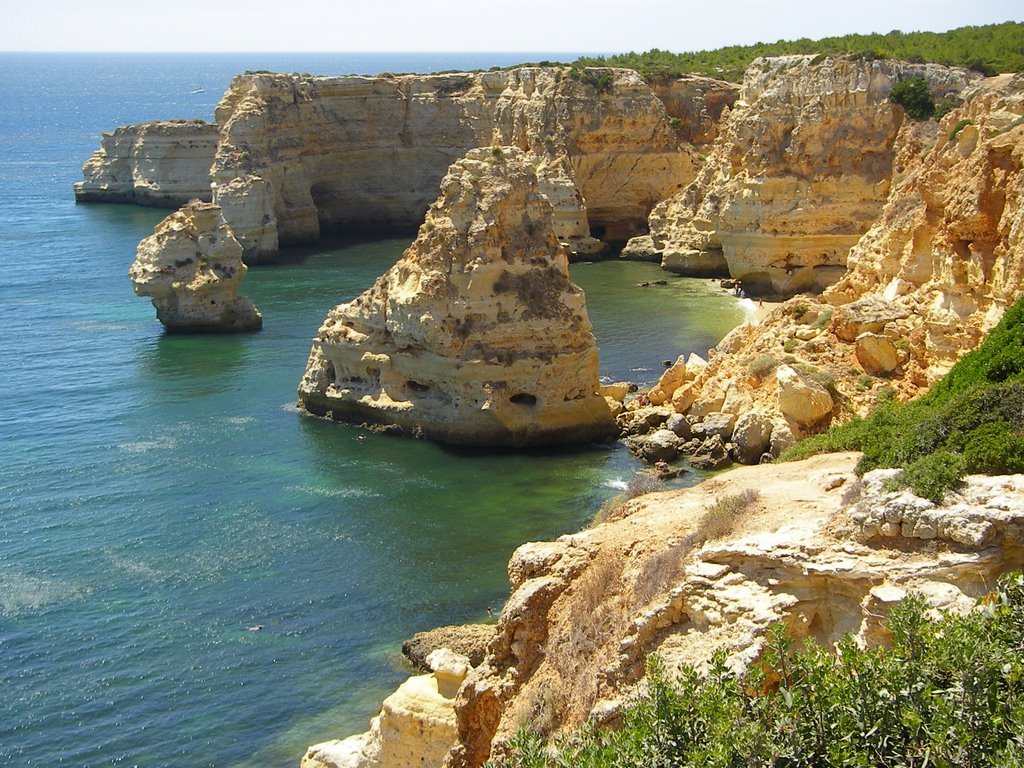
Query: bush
[
  {"x": 762, "y": 365},
  {"x": 948, "y": 693},
  {"x": 976, "y": 411},
  {"x": 933, "y": 474},
  {"x": 960, "y": 125},
  {"x": 914, "y": 95}
]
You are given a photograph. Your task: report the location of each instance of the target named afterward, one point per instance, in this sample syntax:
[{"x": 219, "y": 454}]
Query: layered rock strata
[
  {"x": 162, "y": 164},
  {"x": 476, "y": 335},
  {"x": 681, "y": 574},
  {"x": 191, "y": 267},
  {"x": 317, "y": 154},
  {"x": 924, "y": 285},
  {"x": 800, "y": 171},
  {"x": 416, "y": 725}
]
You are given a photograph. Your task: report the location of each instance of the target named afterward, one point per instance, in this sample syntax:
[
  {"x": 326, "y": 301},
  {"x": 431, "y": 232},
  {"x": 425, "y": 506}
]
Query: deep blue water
[{"x": 160, "y": 495}]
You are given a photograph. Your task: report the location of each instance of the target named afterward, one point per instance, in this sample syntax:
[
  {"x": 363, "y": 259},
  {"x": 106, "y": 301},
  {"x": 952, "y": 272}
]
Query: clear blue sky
[{"x": 465, "y": 25}]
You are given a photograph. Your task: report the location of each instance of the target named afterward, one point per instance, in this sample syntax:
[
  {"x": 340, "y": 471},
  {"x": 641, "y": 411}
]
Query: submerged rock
[
  {"x": 476, "y": 336},
  {"x": 191, "y": 267}
]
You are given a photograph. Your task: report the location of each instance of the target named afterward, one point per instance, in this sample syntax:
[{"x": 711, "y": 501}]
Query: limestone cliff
[
  {"x": 800, "y": 171},
  {"x": 191, "y": 267},
  {"x": 925, "y": 284},
  {"x": 683, "y": 573},
  {"x": 163, "y": 164},
  {"x": 476, "y": 335},
  {"x": 300, "y": 155}
]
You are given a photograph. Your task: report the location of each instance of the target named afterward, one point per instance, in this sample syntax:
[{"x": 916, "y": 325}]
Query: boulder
[
  {"x": 866, "y": 315},
  {"x": 752, "y": 436},
  {"x": 660, "y": 445},
  {"x": 716, "y": 423},
  {"x": 468, "y": 640},
  {"x": 801, "y": 400},
  {"x": 876, "y": 353},
  {"x": 673, "y": 378},
  {"x": 712, "y": 454}
]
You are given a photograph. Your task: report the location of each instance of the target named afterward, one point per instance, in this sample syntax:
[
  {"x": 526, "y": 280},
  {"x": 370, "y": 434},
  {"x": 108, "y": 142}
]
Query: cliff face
[
  {"x": 924, "y": 285},
  {"x": 316, "y": 154},
  {"x": 162, "y": 164},
  {"x": 476, "y": 335},
  {"x": 799, "y": 172},
  {"x": 683, "y": 573},
  {"x": 191, "y": 267}
]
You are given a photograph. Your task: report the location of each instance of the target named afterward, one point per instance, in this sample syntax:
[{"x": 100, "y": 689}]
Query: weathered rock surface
[
  {"x": 925, "y": 284},
  {"x": 476, "y": 336},
  {"x": 162, "y": 164},
  {"x": 696, "y": 103},
  {"x": 416, "y": 725},
  {"x": 191, "y": 267},
  {"x": 800, "y": 171},
  {"x": 810, "y": 546},
  {"x": 469, "y": 640},
  {"x": 330, "y": 153}
]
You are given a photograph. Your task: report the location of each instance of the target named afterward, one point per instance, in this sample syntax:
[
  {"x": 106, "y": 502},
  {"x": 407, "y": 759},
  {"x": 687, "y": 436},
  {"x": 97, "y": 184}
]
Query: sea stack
[
  {"x": 191, "y": 267},
  {"x": 476, "y": 336}
]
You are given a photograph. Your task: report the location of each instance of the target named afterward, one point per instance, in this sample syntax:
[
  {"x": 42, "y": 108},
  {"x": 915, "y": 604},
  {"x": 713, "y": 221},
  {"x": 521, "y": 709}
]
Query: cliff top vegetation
[
  {"x": 991, "y": 49},
  {"x": 971, "y": 421}
]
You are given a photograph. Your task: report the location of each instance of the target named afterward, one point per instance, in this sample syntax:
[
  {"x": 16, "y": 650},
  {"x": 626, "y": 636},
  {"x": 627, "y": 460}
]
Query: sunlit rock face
[
  {"x": 191, "y": 267},
  {"x": 163, "y": 164},
  {"x": 799, "y": 172},
  {"x": 314, "y": 155},
  {"x": 476, "y": 336}
]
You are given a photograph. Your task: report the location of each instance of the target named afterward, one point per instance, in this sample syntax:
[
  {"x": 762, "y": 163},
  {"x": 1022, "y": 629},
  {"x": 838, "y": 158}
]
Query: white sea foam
[{"x": 617, "y": 484}]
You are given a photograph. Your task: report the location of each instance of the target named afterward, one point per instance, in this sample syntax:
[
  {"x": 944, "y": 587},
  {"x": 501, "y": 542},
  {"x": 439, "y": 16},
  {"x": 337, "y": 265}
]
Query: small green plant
[
  {"x": 789, "y": 345},
  {"x": 819, "y": 376},
  {"x": 762, "y": 365},
  {"x": 914, "y": 95},
  {"x": 497, "y": 154},
  {"x": 723, "y": 516},
  {"x": 960, "y": 125},
  {"x": 823, "y": 319},
  {"x": 798, "y": 310},
  {"x": 931, "y": 475}
]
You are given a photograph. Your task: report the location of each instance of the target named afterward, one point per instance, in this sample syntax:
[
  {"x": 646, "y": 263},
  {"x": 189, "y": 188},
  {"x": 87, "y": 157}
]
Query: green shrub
[
  {"x": 975, "y": 411},
  {"x": 762, "y": 365},
  {"x": 914, "y": 95},
  {"x": 947, "y": 693},
  {"x": 933, "y": 474},
  {"x": 960, "y": 125}
]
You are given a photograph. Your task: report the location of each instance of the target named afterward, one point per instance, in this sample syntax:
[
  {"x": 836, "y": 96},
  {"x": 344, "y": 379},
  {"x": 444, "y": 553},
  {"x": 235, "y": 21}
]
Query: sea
[{"x": 192, "y": 573}]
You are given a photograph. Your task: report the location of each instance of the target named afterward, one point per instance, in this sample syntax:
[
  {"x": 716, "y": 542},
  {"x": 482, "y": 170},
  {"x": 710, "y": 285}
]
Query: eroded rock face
[
  {"x": 163, "y": 164},
  {"x": 191, "y": 267},
  {"x": 335, "y": 153},
  {"x": 808, "y": 544},
  {"x": 924, "y": 285},
  {"x": 476, "y": 336},
  {"x": 416, "y": 725},
  {"x": 800, "y": 171}
]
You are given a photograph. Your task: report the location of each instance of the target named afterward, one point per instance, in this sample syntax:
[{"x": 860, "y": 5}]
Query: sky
[{"x": 593, "y": 26}]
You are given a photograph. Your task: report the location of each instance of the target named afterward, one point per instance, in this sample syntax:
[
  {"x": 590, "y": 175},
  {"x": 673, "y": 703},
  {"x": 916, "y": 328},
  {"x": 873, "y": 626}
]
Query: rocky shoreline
[{"x": 906, "y": 237}]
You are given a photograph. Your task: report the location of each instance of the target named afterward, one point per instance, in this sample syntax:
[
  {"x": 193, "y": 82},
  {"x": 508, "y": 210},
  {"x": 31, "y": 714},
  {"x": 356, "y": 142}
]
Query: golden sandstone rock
[
  {"x": 349, "y": 153},
  {"x": 163, "y": 164},
  {"x": 799, "y": 172},
  {"x": 191, "y": 267},
  {"x": 924, "y": 284},
  {"x": 476, "y": 336}
]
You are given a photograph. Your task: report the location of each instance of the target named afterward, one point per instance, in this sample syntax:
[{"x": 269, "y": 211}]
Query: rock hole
[
  {"x": 416, "y": 386},
  {"x": 522, "y": 398}
]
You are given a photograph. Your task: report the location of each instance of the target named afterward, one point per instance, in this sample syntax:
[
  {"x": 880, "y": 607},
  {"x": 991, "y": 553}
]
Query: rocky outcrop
[
  {"x": 946, "y": 257},
  {"x": 320, "y": 154},
  {"x": 162, "y": 164},
  {"x": 925, "y": 284},
  {"x": 469, "y": 640},
  {"x": 476, "y": 336},
  {"x": 681, "y": 574},
  {"x": 191, "y": 267},
  {"x": 800, "y": 171},
  {"x": 695, "y": 105},
  {"x": 416, "y": 725}
]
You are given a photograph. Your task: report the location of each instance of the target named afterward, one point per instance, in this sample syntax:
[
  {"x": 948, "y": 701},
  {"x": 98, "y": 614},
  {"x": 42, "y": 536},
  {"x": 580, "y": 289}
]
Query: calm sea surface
[{"x": 160, "y": 495}]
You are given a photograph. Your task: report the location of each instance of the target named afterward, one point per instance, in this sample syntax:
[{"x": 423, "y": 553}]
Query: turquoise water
[{"x": 160, "y": 495}]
